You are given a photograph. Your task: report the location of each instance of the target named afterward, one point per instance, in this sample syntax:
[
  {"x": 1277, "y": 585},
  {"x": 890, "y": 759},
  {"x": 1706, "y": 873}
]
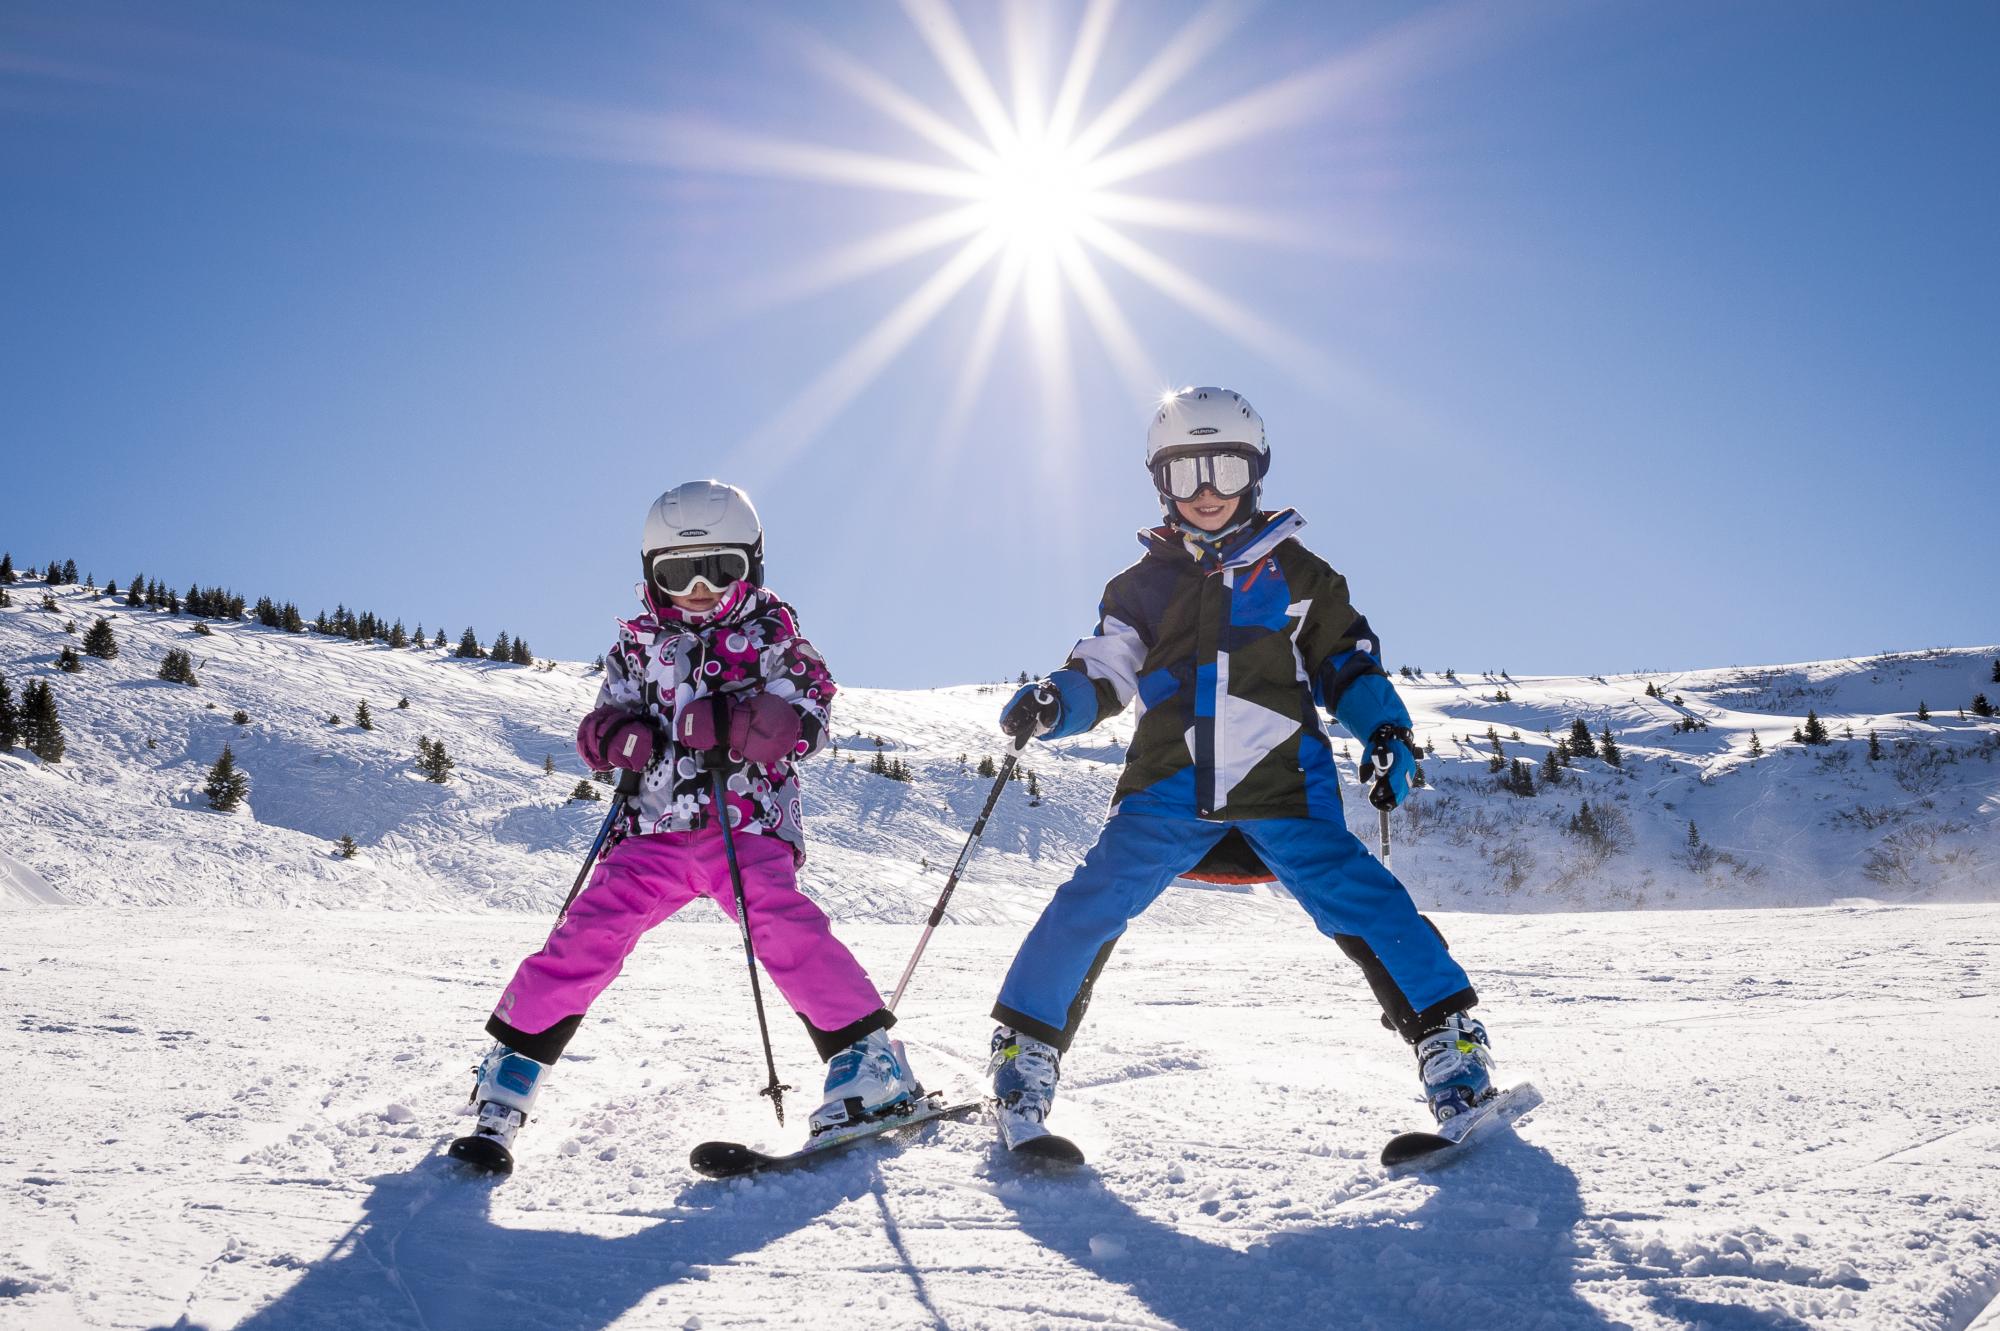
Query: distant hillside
[{"x": 121, "y": 818}]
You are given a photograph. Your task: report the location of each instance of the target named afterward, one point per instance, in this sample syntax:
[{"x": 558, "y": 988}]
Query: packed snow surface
[{"x": 1756, "y": 1119}]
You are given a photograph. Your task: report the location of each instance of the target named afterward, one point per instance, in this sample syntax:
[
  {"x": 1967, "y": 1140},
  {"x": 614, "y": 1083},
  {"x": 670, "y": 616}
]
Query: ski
[
  {"x": 483, "y": 1155},
  {"x": 1029, "y": 1141},
  {"x": 1414, "y": 1150},
  {"x": 732, "y": 1159}
]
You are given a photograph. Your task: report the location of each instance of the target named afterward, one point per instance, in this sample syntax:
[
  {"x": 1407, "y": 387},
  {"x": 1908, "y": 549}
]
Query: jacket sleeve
[
  {"x": 794, "y": 670},
  {"x": 1102, "y": 673},
  {"x": 1343, "y": 660},
  {"x": 620, "y": 687}
]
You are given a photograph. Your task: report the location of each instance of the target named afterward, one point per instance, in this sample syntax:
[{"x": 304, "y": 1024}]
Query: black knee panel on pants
[{"x": 1397, "y": 1014}]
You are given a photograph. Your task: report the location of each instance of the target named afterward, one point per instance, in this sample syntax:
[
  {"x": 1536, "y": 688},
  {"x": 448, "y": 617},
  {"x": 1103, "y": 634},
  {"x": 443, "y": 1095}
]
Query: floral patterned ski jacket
[{"x": 747, "y": 645}]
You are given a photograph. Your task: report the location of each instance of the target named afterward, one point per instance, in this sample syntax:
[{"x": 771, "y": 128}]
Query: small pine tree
[
  {"x": 204, "y": 630},
  {"x": 9, "y": 576},
  {"x": 68, "y": 661},
  {"x": 1815, "y": 729},
  {"x": 1756, "y": 745},
  {"x": 1034, "y": 788},
  {"x": 1607, "y": 748},
  {"x": 362, "y": 716},
  {"x": 1996, "y": 670},
  {"x": 597, "y": 666},
  {"x": 1580, "y": 742},
  {"x": 521, "y": 654},
  {"x": 986, "y": 767},
  {"x": 1551, "y": 770},
  {"x": 10, "y": 718},
  {"x": 6, "y": 597},
  {"x": 1520, "y": 778},
  {"x": 69, "y": 572},
  {"x": 40, "y": 726},
  {"x": 111, "y": 588},
  {"x": 137, "y": 595},
  {"x": 1980, "y": 706},
  {"x": 403, "y": 704},
  {"x": 879, "y": 765},
  {"x": 240, "y": 717},
  {"x": 397, "y": 637},
  {"x": 1923, "y": 710},
  {"x": 226, "y": 786},
  {"x": 548, "y": 763},
  {"x": 100, "y": 641},
  {"x": 1874, "y": 748},
  {"x": 438, "y": 641},
  {"x": 433, "y": 761},
  {"x": 346, "y": 847},
  {"x": 503, "y": 647},
  {"x": 468, "y": 647},
  {"x": 178, "y": 666},
  {"x": 585, "y": 791}
]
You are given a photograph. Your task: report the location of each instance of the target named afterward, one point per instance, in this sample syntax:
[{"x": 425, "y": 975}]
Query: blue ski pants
[{"x": 1351, "y": 896}]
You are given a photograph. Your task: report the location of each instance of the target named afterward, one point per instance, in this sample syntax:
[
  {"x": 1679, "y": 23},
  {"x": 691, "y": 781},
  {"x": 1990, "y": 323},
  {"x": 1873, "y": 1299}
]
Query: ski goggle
[
  {"x": 676, "y": 572},
  {"x": 1228, "y": 474}
]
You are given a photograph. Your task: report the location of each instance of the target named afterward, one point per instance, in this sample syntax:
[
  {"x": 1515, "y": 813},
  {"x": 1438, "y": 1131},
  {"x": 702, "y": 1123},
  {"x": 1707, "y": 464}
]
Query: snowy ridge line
[{"x": 121, "y": 819}]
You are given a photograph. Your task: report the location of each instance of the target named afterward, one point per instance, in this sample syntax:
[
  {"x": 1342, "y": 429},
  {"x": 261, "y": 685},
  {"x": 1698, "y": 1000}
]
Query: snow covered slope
[
  {"x": 121, "y": 819},
  {"x": 1755, "y": 1120}
]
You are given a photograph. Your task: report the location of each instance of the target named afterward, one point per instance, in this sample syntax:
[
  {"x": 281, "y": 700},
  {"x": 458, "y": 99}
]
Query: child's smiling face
[
  {"x": 1206, "y": 511},
  {"x": 700, "y": 599}
]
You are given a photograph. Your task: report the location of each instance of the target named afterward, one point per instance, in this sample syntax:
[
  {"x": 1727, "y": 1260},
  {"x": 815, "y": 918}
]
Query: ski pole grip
[{"x": 628, "y": 782}]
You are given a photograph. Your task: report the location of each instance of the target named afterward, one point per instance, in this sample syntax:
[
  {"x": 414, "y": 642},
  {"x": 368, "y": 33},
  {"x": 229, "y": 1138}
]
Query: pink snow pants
[{"x": 645, "y": 879}]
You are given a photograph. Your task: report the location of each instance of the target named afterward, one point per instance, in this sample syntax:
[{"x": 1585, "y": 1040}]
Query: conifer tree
[
  {"x": 1520, "y": 778},
  {"x": 226, "y": 786},
  {"x": 1980, "y": 706},
  {"x": 1996, "y": 670},
  {"x": 1034, "y": 788},
  {"x": 1551, "y": 770},
  {"x": 40, "y": 727},
  {"x": 137, "y": 595},
  {"x": 417, "y": 639},
  {"x": 986, "y": 767},
  {"x": 1923, "y": 710},
  {"x": 111, "y": 588},
  {"x": 1607, "y": 748},
  {"x": 585, "y": 791},
  {"x": 397, "y": 637},
  {"x": 468, "y": 647},
  {"x": 521, "y": 655},
  {"x": 100, "y": 641},
  {"x": 1815, "y": 729},
  {"x": 1874, "y": 748},
  {"x": 68, "y": 661},
  {"x": 10, "y": 718},
  {"x": 6, "y": 597},
  {"x": 69, "y": 572},
  {"x": 1580, "y": 742},
  {"x": 403, "y": 704},
  {"x": 438, "y": 641},
  {"x": 178, "y": 666},
  {"x": 240, "y": 717},
  {"x": 7, "y": 573},
  {"x": 503, "y": 647},
  {"x": 548, "y": 763},
  {"x": 348, "y": 850},
  {"x": 1756, "y": 745},
  {"x": 362, "y": 716},
  {"x": 433, "y": 761}
]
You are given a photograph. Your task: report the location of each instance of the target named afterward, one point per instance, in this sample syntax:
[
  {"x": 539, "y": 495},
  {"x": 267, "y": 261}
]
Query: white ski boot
[
  {"x": 1456, "y": 1066},
  {"x": 1025, "y": 1072},
  {"x": 868, "y": 1080},
  {"x": 506, "y": 1091}
]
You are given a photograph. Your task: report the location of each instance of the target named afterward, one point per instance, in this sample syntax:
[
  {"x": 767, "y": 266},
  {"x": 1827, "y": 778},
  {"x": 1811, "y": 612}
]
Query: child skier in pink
[{"x": 714, "y": 672}]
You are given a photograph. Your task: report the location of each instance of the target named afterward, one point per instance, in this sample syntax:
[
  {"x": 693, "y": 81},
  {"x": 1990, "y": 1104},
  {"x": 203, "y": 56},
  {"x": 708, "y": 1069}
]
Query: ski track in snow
[{"x": 1755, "y": 1119}]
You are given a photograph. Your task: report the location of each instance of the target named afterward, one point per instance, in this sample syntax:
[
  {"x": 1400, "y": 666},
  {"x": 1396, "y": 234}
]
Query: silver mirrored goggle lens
[
  {"x": 676, "y": 574},
  {"x": 1228, "y": 474}
]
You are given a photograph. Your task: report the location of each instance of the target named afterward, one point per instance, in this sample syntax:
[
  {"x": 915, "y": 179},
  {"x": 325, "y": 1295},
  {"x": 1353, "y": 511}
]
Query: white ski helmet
[
  {"x": 703, "y": 517},
  {"x": 1193, "y": 422}
]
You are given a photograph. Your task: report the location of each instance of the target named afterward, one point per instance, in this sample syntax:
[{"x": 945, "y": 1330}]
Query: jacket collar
[{"x": 1242, "y": 549}]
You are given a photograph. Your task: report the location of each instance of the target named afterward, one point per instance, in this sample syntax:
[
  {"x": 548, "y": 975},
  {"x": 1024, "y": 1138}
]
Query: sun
[{"x": 1038, "y": 196}]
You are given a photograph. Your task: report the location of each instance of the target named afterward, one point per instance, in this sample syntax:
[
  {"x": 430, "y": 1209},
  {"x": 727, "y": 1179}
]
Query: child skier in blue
[{"x": 1231, "y": 635}]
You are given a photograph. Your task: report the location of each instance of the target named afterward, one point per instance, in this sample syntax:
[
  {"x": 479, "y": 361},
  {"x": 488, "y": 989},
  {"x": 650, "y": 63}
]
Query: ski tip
[
  {"x": 482, "y": 1155},
  {"x": 1049, "y": 1152},
  {"x": 724, "y": 1159}
]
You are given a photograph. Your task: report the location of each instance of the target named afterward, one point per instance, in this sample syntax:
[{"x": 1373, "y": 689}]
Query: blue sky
[{"x": 1589, "y": 337}]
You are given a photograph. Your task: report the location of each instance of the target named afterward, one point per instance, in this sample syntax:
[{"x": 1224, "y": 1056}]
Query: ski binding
[
  {"x": 1031, "y": 1142},
  {"x": 732, "y": 1159},
  {"x": 1417, "y": 1150}
]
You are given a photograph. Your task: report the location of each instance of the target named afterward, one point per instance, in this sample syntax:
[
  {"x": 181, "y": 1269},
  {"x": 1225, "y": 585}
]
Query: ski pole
[
  {"x": 964, "y": 855},
  {"x": 628, "y": 785},
  {"x": 773, "y": 1089},
  {"x": 1380, "y": 759}
]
